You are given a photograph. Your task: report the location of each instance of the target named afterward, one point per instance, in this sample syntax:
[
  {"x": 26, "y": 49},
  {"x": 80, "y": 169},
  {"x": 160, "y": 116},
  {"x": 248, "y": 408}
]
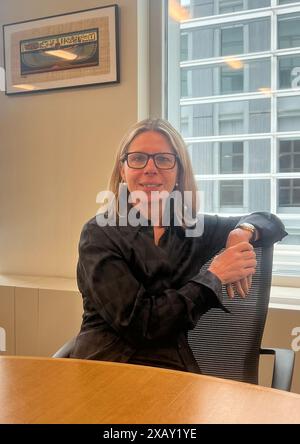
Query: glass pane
[
  {"x": 246, "y": 76},
  {"x": 289, "y": 72},
  {"x": 235, "y": 196},
  {"x": 289, "y": 30},
  {"x": 288, "y": 113},
  {"x": 243, "y": 117},
  {"x": 231, "y": 157},
  {"x": 285, "y": 2},
  {"x": 292, "y": 226},
  {"x": 184, "y": 54},
  {"x": 289, "y": 156},
  {"x": 226, "y": 6},
  {"x": 288, "y": 195},
  {"x": 232, "y": 38},
  {"x": 185, "y": 84},
  {"x": 259, "y": 156},
  {"x": 210, "y": 157},
  {"x": 205, "y": 8},
  {"x": 231, "y": 193},
  {"x": 232, "y": 80},
  {"x": 204, "y": 157}
]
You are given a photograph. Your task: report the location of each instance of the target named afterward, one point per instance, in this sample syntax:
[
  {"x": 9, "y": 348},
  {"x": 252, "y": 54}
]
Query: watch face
[{"x": 247, "y": 226}]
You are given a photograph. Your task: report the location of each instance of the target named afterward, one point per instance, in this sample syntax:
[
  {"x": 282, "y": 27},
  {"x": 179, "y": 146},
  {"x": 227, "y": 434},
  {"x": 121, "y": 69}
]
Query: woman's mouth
[{"x": 151, "y": 186}]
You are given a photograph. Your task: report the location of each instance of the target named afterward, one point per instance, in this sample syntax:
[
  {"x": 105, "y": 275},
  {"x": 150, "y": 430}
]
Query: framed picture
[{"x": 61, "y": 51}]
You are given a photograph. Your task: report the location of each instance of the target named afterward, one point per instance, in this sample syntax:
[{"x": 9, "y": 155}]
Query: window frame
[{"x": 274, "y": 136}]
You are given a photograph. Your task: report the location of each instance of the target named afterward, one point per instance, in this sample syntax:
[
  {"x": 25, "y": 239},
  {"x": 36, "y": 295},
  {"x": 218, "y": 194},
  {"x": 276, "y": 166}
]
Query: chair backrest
[{"x": 227, "y": 345}]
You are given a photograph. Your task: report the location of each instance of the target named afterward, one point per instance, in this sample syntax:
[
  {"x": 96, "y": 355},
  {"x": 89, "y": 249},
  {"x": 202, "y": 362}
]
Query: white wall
[{"x": 57, "y": 149}]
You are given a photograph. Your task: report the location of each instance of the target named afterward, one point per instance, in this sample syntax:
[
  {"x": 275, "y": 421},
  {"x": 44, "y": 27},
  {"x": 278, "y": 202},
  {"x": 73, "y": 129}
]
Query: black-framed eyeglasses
[{"x": 162, "y": 161}]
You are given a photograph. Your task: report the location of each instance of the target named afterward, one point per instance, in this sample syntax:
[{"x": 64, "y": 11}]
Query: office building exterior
[{"x": 240, "y": 105}]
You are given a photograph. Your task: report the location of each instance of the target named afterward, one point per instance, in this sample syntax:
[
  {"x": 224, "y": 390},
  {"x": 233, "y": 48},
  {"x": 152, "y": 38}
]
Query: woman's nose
[{"x": 150, "y": 167}]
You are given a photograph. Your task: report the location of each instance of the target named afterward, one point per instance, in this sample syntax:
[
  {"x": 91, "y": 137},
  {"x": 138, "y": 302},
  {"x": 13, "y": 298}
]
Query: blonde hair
[{"x": 185, "y": 175}]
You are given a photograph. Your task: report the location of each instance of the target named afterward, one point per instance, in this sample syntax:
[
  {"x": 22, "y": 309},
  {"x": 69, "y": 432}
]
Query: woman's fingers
[
  {"x": 230, "y": 291},
  {"x": 244, "y": 285},
  {"x": 250, "y": 263},
  {"x": 249, "y": 279},
  {"x": 235, "y": 264},
  {"x": 239, "y": 289}
]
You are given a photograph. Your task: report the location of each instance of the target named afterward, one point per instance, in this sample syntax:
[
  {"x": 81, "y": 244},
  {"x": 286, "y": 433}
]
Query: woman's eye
[
  {"x": 163, "y": 159},
  {"x": 138, "y": 158}
]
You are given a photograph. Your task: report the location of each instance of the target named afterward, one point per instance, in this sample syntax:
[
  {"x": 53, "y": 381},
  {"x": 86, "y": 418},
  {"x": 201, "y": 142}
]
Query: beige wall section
[
  {"x": 26, "y": 320},
  {"x": 56, "y": 327},
  {"x": 57, "y": 149}
]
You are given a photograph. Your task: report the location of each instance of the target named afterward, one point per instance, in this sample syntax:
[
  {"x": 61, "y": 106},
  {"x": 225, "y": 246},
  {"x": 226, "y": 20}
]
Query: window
[
  {"x": 184, "y": 83},
  {"x": 231, "y": 157},
  {"x": 289, "y": 193},
  {"x": 184, "y": 53},
  {"x": 289, "y": 156},
  {"x": 205, "y": 8},
  {"x": 226, "y": 78},
  {"x": 220, "y": 39},
  {"x": 289, "y": 31},
  {"x": 284, "y": 2},
  {"x": 226, "y": 6},
  {"x": 232, "y": 41},
  {"x": 239, "y": 109},
  {"x": 231, "y": 193},
  {"x": 243, "y": 157},
  {"x": 288, "y": 113},
  {"x": 227, "y": 118},
  {"x": 232, "y": 80},
  {"x": 289, "y": 72}
]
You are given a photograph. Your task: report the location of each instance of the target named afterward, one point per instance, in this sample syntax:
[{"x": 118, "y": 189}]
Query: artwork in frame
[{"x": 62, "y": 51}]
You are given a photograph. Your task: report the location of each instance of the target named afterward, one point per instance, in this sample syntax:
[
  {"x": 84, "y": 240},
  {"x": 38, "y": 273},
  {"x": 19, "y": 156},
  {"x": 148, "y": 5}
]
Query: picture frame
[{"x": 62, "y": 51}]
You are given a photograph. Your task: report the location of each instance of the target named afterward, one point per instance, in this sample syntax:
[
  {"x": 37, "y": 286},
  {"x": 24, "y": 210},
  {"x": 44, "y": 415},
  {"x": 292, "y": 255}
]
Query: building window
[
  {"x": 289, "y": 113},
  {"x": 232, "y": 40},
  {"x": 231, "y": 157},
  {"x": 289, "y": 192},
  {"x": 232, "y": 80},
  {"x": 226, "y": 6},
  {"x": 289, "y": 31},
  {"x": 231, "y": 193},
  {"x": 205, "y": 8},
  {"x": 289, "y": 72},
  {"x": 184, "y": 50},
  {"x": 184, "y": 83},
  {"x": 285, "y": 2},
  {"x": 289, "y": 156},
  {"x": 226, "y": 40}
]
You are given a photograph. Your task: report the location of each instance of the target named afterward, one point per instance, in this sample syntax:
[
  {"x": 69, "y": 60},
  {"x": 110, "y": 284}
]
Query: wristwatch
[{"x": 249, "y": 227}]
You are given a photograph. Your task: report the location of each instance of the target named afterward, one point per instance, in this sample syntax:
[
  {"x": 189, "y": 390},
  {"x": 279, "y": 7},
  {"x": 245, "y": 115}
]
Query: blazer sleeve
[{"x": 217, "y": 229}]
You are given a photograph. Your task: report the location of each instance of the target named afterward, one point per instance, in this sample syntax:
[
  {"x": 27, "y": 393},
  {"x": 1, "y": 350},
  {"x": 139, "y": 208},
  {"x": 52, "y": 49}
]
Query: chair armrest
[
  {"x": 65, "y": 350},
  {"x": 283, "y": 367}
]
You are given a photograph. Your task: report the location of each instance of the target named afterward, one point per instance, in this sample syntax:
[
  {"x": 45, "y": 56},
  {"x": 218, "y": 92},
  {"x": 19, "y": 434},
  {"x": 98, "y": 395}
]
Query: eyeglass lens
[{"x": 162, "y": 161}]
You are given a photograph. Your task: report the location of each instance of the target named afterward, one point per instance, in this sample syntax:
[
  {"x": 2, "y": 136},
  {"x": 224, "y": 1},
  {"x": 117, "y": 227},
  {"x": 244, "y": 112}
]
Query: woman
[{"x": 142, "y": 286}]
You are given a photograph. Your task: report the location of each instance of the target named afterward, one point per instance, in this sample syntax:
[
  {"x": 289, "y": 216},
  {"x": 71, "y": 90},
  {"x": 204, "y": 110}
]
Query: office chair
[
  {"x": 66, "y": 350},
  {"x": 227, "y": 345}
]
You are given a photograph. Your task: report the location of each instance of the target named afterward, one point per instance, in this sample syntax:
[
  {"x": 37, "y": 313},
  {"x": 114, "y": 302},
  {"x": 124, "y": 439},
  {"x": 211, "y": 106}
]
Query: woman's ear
[{"x": 122, "y": 173}]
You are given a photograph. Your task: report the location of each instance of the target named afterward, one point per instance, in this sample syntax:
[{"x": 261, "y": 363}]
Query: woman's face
[{"x": 150, "y": 178}]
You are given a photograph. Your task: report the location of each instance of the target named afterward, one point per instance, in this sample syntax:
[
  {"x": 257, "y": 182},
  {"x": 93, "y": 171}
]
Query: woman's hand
[
  {"x": 235, "y": 265},
  {"x": 242, "y": 286}
]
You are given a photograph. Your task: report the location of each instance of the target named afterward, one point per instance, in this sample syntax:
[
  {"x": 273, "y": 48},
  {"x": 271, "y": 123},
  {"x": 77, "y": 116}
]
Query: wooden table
[{"x": 46, "y": 390}]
